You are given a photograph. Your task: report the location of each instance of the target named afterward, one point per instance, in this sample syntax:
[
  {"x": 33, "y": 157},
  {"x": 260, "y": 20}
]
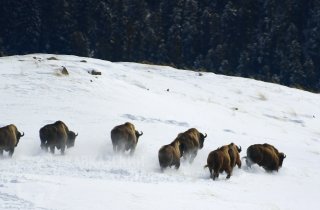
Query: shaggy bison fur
[
  {"x": 56, "y": 135},
  {"x": 169, "y": 155},
  {"x": 124, "y": 138},
  {"x": 192, "y": 140},
  {"x": 265, "y": 155},
  {"x": 9, "y": 139},
  {"x": 223, "y": 159}
]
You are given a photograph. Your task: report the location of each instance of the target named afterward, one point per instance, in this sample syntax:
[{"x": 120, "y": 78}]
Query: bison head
[
  {"x": 202, "y": 137},
  {"x": 138, "y": 134},
  {"x": 19, "y": 135},
  {"x": 239, "y": 149},
  {"x": 281, "y": 157},
  {"x": 71, "y": 139}
]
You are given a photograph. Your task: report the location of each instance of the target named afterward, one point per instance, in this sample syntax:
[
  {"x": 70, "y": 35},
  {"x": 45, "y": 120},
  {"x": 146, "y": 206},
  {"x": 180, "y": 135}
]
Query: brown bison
[
  {"x": 192, "y": 140},
  {"x": 56, "y": 135},
  {"x": 9, "y": 139},
  {"x": 265, "y": 155},
  {"x": 169, "y": 155},
  {"x": 223, "y": 159},
  {"x": 124, "y": 138}
]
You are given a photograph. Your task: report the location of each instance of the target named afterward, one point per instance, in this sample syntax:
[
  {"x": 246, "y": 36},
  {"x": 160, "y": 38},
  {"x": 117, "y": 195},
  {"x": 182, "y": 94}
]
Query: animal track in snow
[{"x": 14, "y": 202}]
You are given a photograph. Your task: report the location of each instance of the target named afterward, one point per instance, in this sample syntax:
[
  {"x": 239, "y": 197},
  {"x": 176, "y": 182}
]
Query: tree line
[{"x": 269, "y": 40}]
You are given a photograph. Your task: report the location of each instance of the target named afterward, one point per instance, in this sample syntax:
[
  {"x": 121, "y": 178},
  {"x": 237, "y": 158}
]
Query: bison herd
[{"x": 125, "y": 138}]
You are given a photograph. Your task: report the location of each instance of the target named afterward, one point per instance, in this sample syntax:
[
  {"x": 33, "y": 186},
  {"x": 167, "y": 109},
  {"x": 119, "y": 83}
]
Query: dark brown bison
[
  {"x": 9, "y": 139},
  {"x": 192, "y": 140},
  {"x": 56, "y": 135},
  {"x": 265, "y": 155},
  {"x": 125, "y": 137},
  {"x": 169, "y": 155},
  {"x": 223, "y": 159}
]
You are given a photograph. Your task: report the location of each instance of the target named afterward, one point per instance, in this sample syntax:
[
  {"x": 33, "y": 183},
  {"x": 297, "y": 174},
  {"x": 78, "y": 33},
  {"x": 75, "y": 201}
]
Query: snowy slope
[{"x": 228, "y": 109}]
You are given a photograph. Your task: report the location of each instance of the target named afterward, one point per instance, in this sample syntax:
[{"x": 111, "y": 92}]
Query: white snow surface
[{"x": 91, "y": 176}]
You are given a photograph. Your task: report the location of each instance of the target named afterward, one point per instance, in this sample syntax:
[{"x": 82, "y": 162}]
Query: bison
[
  {"x": 265, "y": 155},
  {"x": 124, "y": 138},
  {"x": 56, "y": 135},
  {"x": 192, "y": 140},
  {"x": 223, "y": 159},
  {"x": 169, "y": 155},
  {"x": 9, "y": 139}
]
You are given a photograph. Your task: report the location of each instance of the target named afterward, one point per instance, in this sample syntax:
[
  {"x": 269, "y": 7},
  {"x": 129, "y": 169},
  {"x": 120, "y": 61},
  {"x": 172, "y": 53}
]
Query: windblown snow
[{"x": 161, "y": 102}]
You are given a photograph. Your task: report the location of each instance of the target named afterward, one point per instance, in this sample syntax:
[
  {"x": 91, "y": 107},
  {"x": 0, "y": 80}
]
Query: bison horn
[
  {"x": 239, "y": 148},
  {"x": 140, "y": 134},
  {"x": 284, "y": 156},
  {"x": 22, "y": 134},
  {"x": 77, "y": 134},
  {"x": 205, "y": 135}
]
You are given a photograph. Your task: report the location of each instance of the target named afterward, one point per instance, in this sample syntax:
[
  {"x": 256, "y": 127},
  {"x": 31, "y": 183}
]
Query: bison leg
[
  {"x": 11, "y": 151},
  {"x": 215, "y": 172},
  {"x": 177, "y": 165},
  {"x": 229, "y": 171},
  {"x": 193, "y": 156},
  {"x": 1, "y": 152},
  {"x": 44, "y": 146},
  {"x": 114, "y": 148},
  {"x": 215, "y": 175},
  {"x": 52, "y": 149},
  {"x": 132, "y": 150},
  {"x": 211, "y": 173},
  {"x": 238, "y": 162},
  {"x": 121, "y": 148},
  {"x": 63, "y": 148}
]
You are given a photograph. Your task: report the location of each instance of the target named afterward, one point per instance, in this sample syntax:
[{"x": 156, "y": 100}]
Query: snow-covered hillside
[{"x": 90, "y": 176}]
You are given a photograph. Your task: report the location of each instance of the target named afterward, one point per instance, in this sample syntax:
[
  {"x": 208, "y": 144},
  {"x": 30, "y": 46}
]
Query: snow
[{"x": 90, "y": 176}]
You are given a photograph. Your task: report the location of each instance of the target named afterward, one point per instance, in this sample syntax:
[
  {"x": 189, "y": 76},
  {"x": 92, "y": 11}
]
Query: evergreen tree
[
  {"x": 58, "y": 26},
  {"x": 102, "y": 30},
  {"x": 20, "y": 26}
]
